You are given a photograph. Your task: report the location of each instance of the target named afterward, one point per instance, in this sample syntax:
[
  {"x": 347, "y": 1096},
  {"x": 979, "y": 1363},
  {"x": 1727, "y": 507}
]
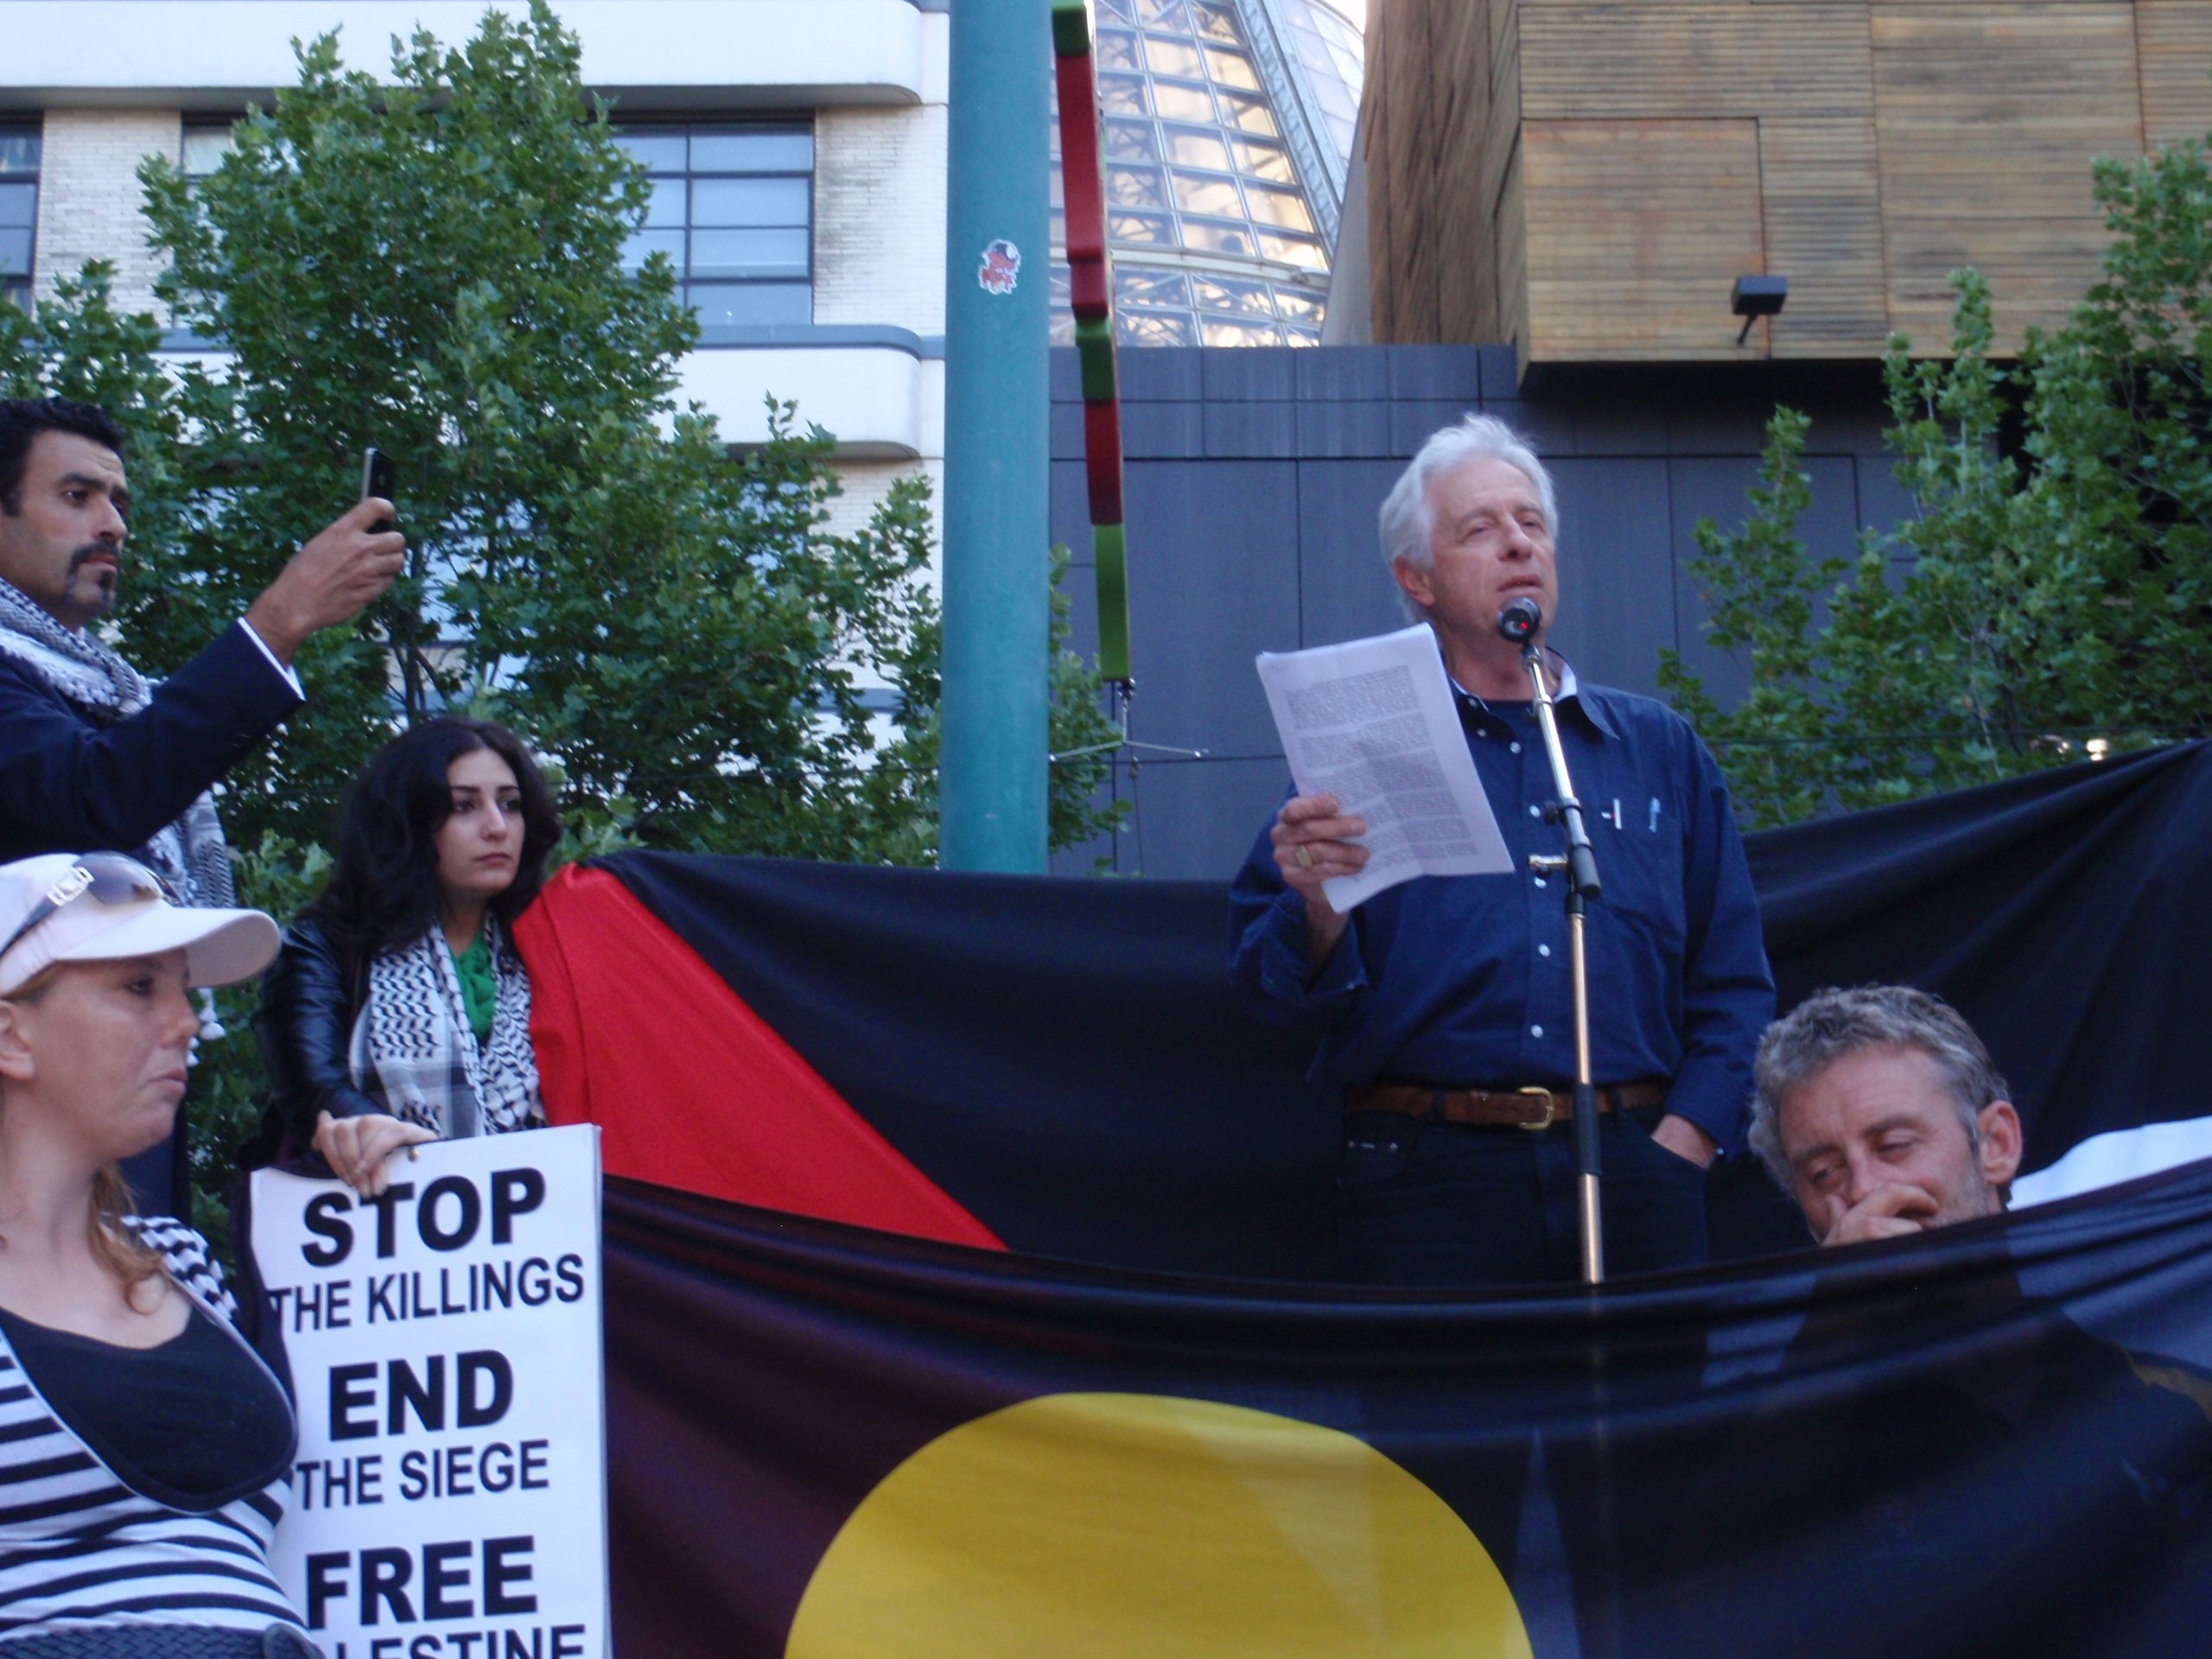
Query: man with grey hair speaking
[
  {"x": 1443, "y": 1008},
  {"x": 1880, "y": 1112}
]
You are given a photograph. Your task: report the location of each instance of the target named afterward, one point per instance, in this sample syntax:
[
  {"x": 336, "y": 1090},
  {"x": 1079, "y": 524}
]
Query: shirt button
[
  {"x": 1540, "y": 880},
  {"x": 1536, "y": 1031},
  {"x": 1543, "y": 949},
  {"x": 1535, "y": 811},
  {"x": 1516, "y": 748}
]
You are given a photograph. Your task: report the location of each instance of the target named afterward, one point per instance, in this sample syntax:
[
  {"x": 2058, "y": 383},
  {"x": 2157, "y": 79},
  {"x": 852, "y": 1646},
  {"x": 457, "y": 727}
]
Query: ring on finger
[{"x": 1305, "y": 857}]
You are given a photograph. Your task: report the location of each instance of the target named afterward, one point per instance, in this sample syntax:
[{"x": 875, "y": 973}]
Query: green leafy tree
[
  {"x": 432, "y": 262},
  {"x": 2043, "y": 596}
]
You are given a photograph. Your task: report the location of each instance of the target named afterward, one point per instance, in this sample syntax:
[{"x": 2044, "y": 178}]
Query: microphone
[{"x": 1519, "y": 620}]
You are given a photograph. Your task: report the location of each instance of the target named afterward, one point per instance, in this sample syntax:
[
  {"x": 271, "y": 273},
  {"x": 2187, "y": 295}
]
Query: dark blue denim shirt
[{"x": 1464, "y": 980}]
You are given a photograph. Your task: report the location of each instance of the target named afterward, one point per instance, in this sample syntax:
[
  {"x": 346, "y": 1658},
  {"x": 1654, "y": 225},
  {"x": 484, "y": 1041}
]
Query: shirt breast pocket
[{"x": 1638, "y": 843}]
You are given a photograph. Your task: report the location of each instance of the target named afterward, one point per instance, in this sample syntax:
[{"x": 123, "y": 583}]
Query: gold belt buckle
[{"x": 1549, "y": 1106}]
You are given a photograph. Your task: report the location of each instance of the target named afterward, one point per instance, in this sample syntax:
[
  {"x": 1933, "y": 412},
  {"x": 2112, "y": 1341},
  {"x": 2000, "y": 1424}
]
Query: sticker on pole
[
  {"x": 450, "y": 1488},
  {"x": 1001, "y": 268}
]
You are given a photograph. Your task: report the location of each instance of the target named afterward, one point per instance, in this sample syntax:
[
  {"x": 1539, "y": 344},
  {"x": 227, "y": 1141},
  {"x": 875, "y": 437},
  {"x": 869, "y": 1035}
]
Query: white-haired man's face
[
  {"x": 1876, "y": 1147},
  {"x": 1489, "y": 543}
]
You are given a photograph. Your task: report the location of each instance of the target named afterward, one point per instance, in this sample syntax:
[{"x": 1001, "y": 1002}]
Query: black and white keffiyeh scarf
[
  {"x": 190, "y": 855},
  {"x": 413, "y": 1049}
]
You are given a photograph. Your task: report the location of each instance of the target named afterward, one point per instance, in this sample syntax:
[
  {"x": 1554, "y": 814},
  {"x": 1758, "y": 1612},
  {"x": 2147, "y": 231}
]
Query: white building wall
[
  {"x": 789, "y": 54},
  {"x": 89, "y": 196},
  {"x": 879, "y": 207},
  {"x": 873, "y": 73}
]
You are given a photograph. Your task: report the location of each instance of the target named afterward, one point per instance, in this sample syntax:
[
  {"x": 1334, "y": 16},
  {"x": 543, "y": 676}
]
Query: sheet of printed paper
[{"x": 1372, "y": 722}]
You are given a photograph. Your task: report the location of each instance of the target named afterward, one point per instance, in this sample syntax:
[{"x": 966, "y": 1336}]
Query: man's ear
[
  {"x": 1415, "y": 581},
  {"x": 2002, "y": 1143},
  {"x": 14, "y": 1048}
]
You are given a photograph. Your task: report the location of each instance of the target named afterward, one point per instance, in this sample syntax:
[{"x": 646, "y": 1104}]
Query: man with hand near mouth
[
  {"x": 1879, "y": 1111},
  {"x": 1443, "y": 1008},
  {"x": 92, "y": 758}
]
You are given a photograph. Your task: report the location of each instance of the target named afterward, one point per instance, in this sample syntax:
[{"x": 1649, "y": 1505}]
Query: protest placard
[{"x": 449, "y": 1494}]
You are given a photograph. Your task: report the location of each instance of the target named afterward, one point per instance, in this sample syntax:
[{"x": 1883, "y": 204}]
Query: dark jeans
[{"x": 1438, "y": 1204}]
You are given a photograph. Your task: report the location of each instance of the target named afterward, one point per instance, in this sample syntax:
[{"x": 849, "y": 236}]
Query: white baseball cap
[{"x": 103, "y": 907}]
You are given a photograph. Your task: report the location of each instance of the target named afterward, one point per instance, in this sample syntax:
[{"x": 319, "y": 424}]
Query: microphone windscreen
[{"x": 1519, "y": 619}]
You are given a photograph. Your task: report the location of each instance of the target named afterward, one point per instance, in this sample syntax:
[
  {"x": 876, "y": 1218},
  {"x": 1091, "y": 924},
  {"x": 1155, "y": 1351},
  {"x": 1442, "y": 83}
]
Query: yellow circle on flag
[{"x": 1120, "y": 1524}]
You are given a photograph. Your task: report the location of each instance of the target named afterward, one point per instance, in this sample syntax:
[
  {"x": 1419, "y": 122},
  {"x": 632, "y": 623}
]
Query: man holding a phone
[{"x": 92, "y": 757}]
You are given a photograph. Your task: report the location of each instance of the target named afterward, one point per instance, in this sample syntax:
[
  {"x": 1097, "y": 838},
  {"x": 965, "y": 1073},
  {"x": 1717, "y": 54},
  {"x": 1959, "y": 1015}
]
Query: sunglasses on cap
[{"x": 109, "y": 878}]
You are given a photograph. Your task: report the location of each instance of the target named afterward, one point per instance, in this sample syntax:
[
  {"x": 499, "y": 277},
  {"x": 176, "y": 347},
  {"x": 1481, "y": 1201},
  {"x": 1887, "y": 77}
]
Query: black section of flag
[{"x": 1992, "y": 1438}]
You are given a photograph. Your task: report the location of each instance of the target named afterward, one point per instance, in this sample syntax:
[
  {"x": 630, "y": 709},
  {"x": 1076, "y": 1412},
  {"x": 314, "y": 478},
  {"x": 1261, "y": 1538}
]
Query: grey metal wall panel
[
  {"x": 1411, "y": 423},
  {"x": 1615, "y": 584},
  {"x": 1547, "y": 428},
  {"x": 1161, "y": 430},
  {"x": 1066, "y": 428},
  {"x": 1344, "y": 589},
  {"x": 1251, "y": 430},
  {"x": 1453, "y": 372},
  {"x": 1708, "y": 423},
  {"x": 1213, "y": 580},
  {"x": 1168, "y": 374},
  {"x": 1342, "y": 427},
  {"x": 1628, "y": 426},
  {"x": 1197, "y": 822},
  {"x": 1264, "y": 373},
  {"x": 1343, "y": 374}
]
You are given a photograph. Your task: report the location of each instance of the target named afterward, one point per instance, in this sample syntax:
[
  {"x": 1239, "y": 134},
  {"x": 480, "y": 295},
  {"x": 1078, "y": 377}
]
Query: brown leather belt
[{"x": 1497, "y": 1109}]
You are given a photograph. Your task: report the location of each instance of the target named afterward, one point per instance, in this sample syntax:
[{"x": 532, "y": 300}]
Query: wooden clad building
[{"x": 1584, "y": 178}]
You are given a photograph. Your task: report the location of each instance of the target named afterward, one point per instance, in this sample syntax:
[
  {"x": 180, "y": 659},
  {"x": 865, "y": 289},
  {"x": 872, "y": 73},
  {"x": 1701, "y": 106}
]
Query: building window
[
  {"x": 205, "y": 143},
  {"x": 19, "y": 156},
  {"x": 733, "y": 209}
]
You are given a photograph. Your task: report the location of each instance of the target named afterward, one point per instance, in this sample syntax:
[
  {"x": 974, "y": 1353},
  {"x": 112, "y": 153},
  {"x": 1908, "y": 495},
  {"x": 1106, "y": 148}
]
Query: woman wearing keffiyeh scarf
[{"x": 398, "y": 1010}]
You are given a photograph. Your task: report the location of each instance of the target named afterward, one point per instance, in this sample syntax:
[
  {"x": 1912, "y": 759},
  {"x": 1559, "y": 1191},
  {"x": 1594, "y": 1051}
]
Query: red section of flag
[
  {"x": 689, "y": 1088},
  {"x": 1102, "y": 460}
]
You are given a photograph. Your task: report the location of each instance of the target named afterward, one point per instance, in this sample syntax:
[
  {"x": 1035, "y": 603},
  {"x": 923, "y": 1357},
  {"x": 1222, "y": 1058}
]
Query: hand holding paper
[{"x": 1370, "y": 728}]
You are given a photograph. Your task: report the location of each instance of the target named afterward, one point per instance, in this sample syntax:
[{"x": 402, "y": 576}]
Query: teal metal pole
[{"x": 992, "y": 782}]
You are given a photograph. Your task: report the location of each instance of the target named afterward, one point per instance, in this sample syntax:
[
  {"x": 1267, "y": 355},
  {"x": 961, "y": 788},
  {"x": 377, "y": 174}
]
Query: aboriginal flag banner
[
  {"x": 995, "y": 1312},
  {"x": 823, "y": 1443}
]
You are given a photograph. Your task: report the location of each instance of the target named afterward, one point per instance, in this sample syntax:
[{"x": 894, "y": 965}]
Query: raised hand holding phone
[
  {"x": 380, "y": 480},
  {"x": 339, "y": 572}
]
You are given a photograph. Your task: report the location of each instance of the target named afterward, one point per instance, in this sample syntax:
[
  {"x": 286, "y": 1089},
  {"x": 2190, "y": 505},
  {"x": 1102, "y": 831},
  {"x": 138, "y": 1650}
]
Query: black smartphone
[{"x": 379, "y": 477}]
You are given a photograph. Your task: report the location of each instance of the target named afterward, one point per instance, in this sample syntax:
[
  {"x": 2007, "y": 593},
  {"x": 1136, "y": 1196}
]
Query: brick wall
[
  {"x": 88, "y": 195},
  {"x": 879, "y": 217}
]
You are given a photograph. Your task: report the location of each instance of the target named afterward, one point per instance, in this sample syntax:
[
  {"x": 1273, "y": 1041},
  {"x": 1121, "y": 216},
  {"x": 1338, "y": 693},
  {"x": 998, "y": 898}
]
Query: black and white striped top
[{"x": 78, "y": 1546}]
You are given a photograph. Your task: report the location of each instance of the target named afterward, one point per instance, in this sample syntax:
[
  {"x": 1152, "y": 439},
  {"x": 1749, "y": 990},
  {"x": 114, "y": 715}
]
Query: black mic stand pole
[
  {"x": 1519, "y": 623},
  {"x": 1579, "y": 866}
]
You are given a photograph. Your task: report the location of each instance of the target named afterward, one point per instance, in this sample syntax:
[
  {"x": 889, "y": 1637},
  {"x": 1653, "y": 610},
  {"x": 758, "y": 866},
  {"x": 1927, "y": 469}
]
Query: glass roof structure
[{"x": 1227, "y": 128}]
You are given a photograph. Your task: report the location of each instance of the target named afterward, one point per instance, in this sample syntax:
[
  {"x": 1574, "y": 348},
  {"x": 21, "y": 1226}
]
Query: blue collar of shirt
[{"x": 1569, "y": 696}]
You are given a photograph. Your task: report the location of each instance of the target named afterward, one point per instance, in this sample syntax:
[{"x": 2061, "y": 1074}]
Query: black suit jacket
[{"x": 69, "y": 786}]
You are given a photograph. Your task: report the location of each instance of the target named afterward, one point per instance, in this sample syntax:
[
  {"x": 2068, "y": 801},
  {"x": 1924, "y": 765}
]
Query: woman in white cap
[{"x": 144, "y": 1447}]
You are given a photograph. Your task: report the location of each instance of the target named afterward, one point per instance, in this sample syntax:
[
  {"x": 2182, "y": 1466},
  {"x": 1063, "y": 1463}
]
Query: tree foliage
[
  {"x": 433, "y": 262},
  {"x": 2050, "y": 592}
]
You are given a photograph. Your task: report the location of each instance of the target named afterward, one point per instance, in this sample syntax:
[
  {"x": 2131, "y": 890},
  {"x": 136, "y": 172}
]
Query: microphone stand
[{"x": 1579, "y": 866}]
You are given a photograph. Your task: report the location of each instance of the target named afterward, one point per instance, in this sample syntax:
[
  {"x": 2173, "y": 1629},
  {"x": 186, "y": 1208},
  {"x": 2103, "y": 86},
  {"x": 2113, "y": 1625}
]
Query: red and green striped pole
[{"x": 1090, "y": 272}]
